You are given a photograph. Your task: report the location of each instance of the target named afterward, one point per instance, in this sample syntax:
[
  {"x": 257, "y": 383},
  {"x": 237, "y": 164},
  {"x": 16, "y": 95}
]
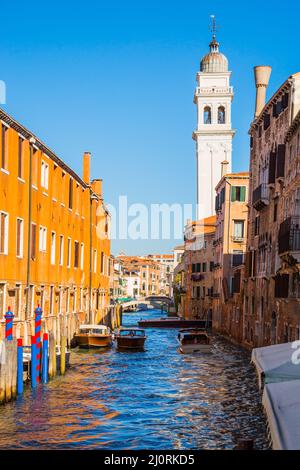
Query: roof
[
  {"x": 283, "y": 88},
  {"x": 275, "y": 363},
  {"x": 241, "y": 175},
  {"x": 178, "y": 248},
  {"x": 282, "y": 405},
  {"x": 39, "y": 144}
]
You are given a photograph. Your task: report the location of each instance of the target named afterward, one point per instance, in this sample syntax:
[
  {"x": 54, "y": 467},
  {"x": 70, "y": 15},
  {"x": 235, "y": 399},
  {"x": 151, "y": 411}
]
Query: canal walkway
[{"x": 157, "y": 399}]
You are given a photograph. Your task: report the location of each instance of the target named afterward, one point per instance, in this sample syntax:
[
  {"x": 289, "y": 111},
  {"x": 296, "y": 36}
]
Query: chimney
[
  {"x": 86, "y": 176},
  {"x": 262, "y": 75},
  {"x": 224, "y": 166},
  {"x": 97, "y": 187}
]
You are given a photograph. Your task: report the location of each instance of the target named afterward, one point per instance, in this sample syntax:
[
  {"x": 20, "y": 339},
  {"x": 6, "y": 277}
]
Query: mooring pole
[
  {"x": 20, "y": 385},
  {"x": 45, "y": 359},
  {"x": 9, "y": 316},
  {"x": 33, "y": 362},
  {"x": 38, "y": 321}
]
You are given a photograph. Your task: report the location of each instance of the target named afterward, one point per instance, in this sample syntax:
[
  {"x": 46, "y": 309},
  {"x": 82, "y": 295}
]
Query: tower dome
[{"x": 214, "y": 61}]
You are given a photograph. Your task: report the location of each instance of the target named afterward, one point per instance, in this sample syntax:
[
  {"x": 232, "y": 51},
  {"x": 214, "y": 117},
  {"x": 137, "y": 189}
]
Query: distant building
[
  {"x": 230, "y": 248},
  {"x": 193, "y": 275}
]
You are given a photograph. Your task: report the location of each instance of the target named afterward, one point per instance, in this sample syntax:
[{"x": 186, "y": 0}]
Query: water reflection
[{"x": 154, "y": 399}]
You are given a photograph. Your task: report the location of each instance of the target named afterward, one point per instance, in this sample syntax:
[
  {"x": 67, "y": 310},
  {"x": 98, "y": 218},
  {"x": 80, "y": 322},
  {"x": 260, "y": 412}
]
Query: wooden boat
[
  {"x": 194, "y": 340},
  {"x": 131, "y": 338},
  {"x": 93, "y": 336}
]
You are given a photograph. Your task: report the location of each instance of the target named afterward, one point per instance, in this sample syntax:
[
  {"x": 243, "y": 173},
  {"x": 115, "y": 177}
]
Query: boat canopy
[
  {"x": 131, "y": 332},
  {"x": 93, "y": 327},
  {"x": 282, "y": 404},
  {"x": 274, "y": 363}
]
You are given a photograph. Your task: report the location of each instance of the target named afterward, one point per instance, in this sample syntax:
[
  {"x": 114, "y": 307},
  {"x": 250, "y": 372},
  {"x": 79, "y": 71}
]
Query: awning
[
  {"x": 275, "y": 364},
  {"x": 282, "y": 404}
]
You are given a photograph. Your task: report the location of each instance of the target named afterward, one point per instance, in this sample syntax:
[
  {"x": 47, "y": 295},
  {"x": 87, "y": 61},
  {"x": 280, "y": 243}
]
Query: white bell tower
[{"x": 213, "y": 97}]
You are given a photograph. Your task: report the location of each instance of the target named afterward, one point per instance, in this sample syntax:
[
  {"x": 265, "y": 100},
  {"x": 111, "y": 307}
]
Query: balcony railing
[
  {"x": 289, "y": 235},
  {"x": 260, "y": 197},
  {"x": 197, "y": 277},
  {"x": 238, "y": 239}
]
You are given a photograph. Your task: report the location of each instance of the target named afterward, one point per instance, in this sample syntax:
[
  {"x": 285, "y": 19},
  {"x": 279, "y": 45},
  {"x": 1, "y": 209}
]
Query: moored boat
[
  {"x": 93, "y": 336},
  {"x": 131, "y": 338},
  {"x": 194, "y": 340}
]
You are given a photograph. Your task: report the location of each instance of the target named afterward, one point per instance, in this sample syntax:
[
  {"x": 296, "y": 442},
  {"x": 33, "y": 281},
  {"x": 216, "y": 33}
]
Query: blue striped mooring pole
[
  {"x": 33, "y": 362},
  {"x": 20, "y": 385},
  {"x": 45, "y": 359}
]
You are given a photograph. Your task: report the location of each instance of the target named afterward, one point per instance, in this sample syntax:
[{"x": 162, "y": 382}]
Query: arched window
[
  {"x": 221, "y": 115},
  {"x": 207, "y": 115}
]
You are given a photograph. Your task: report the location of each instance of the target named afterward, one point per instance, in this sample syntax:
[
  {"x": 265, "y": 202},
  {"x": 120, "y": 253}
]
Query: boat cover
[
  {"x": 275, "y": 364},
  {"x": 282, "y": 404}
]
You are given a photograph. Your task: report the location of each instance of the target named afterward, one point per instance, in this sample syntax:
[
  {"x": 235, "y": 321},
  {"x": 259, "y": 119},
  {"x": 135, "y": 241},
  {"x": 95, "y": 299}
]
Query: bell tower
[{"x": 213, "y": 136}]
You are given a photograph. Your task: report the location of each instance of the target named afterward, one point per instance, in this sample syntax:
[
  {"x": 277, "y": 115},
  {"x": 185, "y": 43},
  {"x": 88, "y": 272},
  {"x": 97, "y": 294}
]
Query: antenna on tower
[{"x": 214, "y": 27}]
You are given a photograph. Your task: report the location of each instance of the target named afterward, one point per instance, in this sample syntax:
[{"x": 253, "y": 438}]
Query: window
[
  {"x": 95, "y": 260},
  {"x": 2, "y": 300},
  {"x": 207, "y": 115},
  {"x": 4, "y": 147},
  {"x": 20, "y": 157},
  {"x": 43, "y": 239},
  {"x": 34, "y": 167},
  {"x": 53, "y": 243},
  {"x": 221, "y": 115},
  {"x": 102, "y": 263},
  {"x": 69, "y": 253},
  {"x": 204, "y": 267},
  {"x": 20, "y": 237},
  {"x": 71, "y": 194},
  {"x": 275, "y": 213},
  {"x": 51, "y": 300},
  {"x": 82, "y": 256},
  {"x": 238, "y": 193},
  {"x": 33, "y": 241},
  {"x": 238, "y": 231},
  {"x": 44, "y": 175},
  {"x": 3, "y": 233},
  {"x": 61, "y": 250},
  {"x": 76, "y": 254},
  {"x": 256, "y": 226}
]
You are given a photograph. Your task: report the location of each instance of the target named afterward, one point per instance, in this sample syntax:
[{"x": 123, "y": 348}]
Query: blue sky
[{"x": 117, "y": 79}]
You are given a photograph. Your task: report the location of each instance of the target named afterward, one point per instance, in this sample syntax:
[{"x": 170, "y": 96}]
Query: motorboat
[
  {"x": 194, "y": 340},
  {"x": 131, "y": 338},
  {"x": 93, "y": 336}
]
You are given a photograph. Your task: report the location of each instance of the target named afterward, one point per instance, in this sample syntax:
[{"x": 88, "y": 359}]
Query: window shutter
[
  {"x": 233, "y": 193},
  {"x": 243, "y": 193}
]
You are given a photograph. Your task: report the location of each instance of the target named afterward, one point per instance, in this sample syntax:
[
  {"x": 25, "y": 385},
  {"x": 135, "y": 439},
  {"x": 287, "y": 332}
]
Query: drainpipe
[{"x": 31, "y": 143}]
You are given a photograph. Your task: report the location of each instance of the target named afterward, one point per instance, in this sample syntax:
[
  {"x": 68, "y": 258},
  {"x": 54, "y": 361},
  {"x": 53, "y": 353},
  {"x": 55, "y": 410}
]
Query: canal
[{"x": 157, "y": 399}]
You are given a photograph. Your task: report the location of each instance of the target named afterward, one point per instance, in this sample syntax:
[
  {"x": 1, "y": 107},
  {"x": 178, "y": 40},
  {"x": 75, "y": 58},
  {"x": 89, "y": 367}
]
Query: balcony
[
  {"x": 216, "y": 295},
  {"x": 238, "y": 239},
  {"x": 197, "y": 277},
  {"x": 260, "y": 197},
  {"x": 289, "y": 237}
]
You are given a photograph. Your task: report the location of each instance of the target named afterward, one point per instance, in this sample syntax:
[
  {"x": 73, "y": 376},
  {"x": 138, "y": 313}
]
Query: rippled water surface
[{"x": 157, "y": 399}]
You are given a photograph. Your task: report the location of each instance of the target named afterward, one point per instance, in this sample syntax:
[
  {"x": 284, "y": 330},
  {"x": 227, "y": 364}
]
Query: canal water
[{"x": 157, "y": 399}]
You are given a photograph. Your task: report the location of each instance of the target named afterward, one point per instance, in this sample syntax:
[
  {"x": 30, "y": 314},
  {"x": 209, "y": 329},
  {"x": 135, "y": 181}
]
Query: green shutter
[
  {"x": 233, "y": 193},
  {"x": 243, "y": 193}
]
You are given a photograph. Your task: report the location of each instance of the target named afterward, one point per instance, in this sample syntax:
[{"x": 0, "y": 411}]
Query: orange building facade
[{"x": 54, "y": 237}]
